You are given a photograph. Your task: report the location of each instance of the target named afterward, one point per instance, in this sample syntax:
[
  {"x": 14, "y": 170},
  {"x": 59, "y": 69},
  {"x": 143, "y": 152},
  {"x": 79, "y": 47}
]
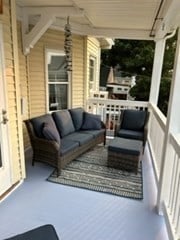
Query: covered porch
[{"x": 141, "y": 20}]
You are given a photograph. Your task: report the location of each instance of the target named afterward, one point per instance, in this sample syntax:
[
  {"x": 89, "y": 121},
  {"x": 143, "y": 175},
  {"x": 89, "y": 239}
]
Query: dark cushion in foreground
[{"x": 46, "y": 232}]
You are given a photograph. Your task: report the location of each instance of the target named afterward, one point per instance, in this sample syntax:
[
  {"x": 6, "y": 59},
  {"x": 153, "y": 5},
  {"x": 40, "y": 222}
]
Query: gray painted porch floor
[{"x": 79, "y": 214}]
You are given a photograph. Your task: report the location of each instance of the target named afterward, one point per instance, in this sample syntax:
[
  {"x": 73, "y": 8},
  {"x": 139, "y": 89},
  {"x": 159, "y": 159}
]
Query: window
[
  {"x": 58, "y": 85},
  {"x": 92, "y": 72}
]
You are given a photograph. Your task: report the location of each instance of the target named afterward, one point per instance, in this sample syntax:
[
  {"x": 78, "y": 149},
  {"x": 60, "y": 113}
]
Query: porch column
[
  {"x": 157, "y": 70},
  {"x": 172, "y": 126}
]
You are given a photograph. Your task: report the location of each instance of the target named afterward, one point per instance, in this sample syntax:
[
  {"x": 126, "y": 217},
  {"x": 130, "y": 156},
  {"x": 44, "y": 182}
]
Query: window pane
[
  {"x": 91, "y": 63},
  {"x": 56, "y": 69},
  {"x": 91, "y": 74},
  {"x": 58, "y": 96}
]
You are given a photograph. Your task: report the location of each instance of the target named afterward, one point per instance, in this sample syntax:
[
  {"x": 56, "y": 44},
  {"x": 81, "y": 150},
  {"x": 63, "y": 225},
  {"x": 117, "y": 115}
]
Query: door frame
[{"x": 5, "y": 170}]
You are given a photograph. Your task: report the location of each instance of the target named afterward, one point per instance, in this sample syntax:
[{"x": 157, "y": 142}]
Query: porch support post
[
  {"x": 157, "y": 70},
  {"x": 172, "y": 126}
]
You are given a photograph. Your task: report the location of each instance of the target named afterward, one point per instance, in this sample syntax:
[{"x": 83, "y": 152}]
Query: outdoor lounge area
[{"x": 50, "y": 60}]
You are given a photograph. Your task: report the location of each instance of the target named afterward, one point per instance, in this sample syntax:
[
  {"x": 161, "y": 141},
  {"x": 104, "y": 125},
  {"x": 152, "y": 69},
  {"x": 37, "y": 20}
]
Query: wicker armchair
[{"x": 133, "y": 124}]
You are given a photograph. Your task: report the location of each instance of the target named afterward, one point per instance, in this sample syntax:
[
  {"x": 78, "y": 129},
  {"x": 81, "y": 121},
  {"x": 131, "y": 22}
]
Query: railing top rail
[
  {"x": 118, "y": 102},
  {"x": 159, "y": 115},
  {"x": 175, "y": 141}
]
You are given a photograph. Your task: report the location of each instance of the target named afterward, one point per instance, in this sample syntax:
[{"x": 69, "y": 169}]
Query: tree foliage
[{"x": 136, "y": 58}]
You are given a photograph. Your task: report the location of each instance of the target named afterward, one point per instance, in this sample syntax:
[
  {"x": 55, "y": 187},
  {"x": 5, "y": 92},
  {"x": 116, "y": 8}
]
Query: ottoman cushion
[{"x": 125, "y": 146}]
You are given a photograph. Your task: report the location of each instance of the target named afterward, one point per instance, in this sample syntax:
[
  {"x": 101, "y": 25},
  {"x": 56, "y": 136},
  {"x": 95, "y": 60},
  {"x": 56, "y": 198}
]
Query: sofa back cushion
[
  {"x": 63, "y": 122},
  {"x": 91, "y": 122},
  {"x": 39, "y": 123},
  {"x": 77, "y": 117},
  {"x": 134, "y": 120}
]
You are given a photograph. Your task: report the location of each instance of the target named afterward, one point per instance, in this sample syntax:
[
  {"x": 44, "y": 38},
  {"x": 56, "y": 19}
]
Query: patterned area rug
[{"x": 90, "y": 171}]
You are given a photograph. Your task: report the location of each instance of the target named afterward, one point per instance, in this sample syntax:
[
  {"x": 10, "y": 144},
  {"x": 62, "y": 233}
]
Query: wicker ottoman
[{"x": 124, "y": 154}]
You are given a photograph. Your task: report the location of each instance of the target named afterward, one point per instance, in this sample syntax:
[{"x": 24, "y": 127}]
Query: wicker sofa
[{"x": 60, "y": 137}]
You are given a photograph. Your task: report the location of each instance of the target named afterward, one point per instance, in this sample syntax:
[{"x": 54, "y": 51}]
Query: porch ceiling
[{"x": 137, "y": 19}]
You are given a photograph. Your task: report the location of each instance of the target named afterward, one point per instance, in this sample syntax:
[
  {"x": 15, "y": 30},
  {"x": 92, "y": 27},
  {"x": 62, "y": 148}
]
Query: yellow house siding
[
  {"x": 93, "y": 49},
  {"x": 24, "y": 85},
  {"x": 11, "y": 81},
  {"x": 37, "y": 85},
  {"x": 78, "y": 83}
]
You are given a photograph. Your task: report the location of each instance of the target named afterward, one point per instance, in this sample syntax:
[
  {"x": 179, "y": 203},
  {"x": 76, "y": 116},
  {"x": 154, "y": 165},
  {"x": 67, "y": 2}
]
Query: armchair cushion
[
  {"x": 133, "y": 120},
  {"x": 124, "y": 133},
  {"x": 91, "y": 122},
  {"x": 50, "y": 132},
  {"x": 77, "y": 117},
  {"x": 63, "y": 122}
]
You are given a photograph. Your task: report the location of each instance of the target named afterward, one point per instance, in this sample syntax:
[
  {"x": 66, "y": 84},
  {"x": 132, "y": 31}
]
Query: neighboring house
[{"x": 116, "y": 85}]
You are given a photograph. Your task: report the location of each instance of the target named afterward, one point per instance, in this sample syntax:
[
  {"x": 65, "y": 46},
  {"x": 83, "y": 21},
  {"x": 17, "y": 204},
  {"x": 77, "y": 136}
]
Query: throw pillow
[
  {"x": 91, "y": 122},
  {"x": 38, "y": 123},
  {"x": 50, "y": 132}
]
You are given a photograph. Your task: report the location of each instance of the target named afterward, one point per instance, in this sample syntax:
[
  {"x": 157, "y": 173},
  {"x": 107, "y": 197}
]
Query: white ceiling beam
[
  {"x": 30, "y": 38},
  {"x": 47, "y": 17},
  {"x": 55, "y": 11},
  {"x": 103, "y": 32}
]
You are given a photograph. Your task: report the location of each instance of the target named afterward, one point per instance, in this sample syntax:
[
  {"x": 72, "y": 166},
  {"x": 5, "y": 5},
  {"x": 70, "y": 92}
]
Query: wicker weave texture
[{"x": 123, "y": 161}]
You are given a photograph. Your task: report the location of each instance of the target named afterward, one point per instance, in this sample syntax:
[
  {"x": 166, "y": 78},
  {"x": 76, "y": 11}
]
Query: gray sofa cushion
[
  {"x": 94, "y": 133},
  {"x": 91, "y": 122},
  {"x": 38, "y": 123},
  {"x": 133, "y": 120},
  {"x": 130, "y": 134},
  {"x": 63, "y": 122},
  {"x": 81, "y": 138},
  {"x": 50, "y": 132},
  {"x": 77, "y": 117},
  {"x": 67, "y": 145}
]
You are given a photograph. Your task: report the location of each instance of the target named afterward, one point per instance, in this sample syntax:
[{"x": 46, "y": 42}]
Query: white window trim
[
  {"x": 55, "y": 52},
  {"x": 94, "y": 58}
]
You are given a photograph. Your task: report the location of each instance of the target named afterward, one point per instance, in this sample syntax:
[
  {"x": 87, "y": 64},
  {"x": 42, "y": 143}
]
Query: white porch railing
[
  {"x": 156, "y": 133},
  {"x": 110, "y": 111},
  {"x": 171, "y": 205}
]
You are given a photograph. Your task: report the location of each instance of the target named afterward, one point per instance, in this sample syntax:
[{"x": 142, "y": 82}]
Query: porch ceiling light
[{"x": 68, "y": 46}]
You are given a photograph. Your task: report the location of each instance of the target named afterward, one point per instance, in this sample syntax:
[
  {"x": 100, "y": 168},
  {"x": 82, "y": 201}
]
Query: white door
[{"x": 5, "y": 173}]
